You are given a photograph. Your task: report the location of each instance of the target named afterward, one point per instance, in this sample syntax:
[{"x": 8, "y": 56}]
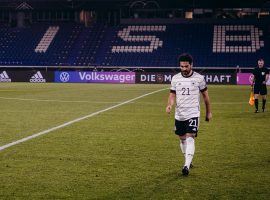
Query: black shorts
[
  {"x": 260, "y": 89},
  {"x": 188, "y": 126}
]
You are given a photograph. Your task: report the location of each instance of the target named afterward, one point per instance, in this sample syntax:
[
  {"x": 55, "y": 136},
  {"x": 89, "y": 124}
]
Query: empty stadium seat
[{"x": 68, "y": 44}]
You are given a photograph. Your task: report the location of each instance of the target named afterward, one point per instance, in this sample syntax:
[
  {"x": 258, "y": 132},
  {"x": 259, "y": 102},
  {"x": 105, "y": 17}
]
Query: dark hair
[
  {"x": 260, "y": 59},
  {"x": 185, "y": 57}
]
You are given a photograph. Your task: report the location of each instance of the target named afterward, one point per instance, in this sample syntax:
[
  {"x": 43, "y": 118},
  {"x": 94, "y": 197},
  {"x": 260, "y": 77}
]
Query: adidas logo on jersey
[
  {"x": 4, "y": 77},
  {"x": 37, "y": 78}
]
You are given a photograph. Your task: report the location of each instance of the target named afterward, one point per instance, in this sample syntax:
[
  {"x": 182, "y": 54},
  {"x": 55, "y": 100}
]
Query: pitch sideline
[
  {"x": 75, "y": 120},
  {"x": 51, "y": 100}
]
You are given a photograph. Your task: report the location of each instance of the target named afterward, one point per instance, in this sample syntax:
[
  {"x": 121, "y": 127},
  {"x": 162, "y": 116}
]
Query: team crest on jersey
[{"x": 263, "y": 73}]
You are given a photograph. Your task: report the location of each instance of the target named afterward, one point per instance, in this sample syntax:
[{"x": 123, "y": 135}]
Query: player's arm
[
  {"x": 171, "y": 100},
  {"x": 266, "y": 77},
  {"x": 207, "y": 104}
]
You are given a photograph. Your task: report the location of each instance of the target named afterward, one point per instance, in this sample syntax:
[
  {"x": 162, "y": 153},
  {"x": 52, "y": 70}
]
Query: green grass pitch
[{"x": 129, "y": 152}]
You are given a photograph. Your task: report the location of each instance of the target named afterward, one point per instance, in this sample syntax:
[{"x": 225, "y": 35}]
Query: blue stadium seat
[{"x": 225, "y": 44}]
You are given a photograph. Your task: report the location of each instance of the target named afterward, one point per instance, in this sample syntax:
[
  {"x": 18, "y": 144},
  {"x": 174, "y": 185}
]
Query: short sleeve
[
  {"x": 173, "y": 85},
  {"x": 202, "y": 84}
]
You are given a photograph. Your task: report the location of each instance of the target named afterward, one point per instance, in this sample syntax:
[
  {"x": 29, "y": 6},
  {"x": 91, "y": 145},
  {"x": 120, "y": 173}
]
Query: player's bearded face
[
  {"x": 260, "y": 63},
  {"x": 185, "y": 68}
]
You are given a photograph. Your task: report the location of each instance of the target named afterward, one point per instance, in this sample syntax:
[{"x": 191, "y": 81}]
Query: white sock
[
  {"x": 190, "y": 149},
  {"x": 183, "y": 146}
]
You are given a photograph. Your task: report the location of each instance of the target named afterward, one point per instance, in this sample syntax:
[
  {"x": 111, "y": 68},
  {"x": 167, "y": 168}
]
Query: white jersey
[{"x": 187, "y": 91}]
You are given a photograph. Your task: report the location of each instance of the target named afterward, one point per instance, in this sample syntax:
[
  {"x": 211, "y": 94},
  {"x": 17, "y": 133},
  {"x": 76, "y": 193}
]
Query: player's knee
[
  {"x": 182, "y": 137},
  {"x": 192, "y": 135}
]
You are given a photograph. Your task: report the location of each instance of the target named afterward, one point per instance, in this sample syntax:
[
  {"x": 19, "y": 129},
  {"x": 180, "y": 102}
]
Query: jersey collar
[{"x": 188, "y": 75}]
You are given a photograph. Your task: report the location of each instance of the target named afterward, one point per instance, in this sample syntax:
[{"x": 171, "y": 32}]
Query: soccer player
[
  {"x": 259, "y": 78},
  {"x": 186, "y": 87}
]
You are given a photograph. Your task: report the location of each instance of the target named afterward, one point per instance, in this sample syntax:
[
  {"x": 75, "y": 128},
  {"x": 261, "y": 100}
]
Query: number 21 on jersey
[{"x": 185, "y": 91}]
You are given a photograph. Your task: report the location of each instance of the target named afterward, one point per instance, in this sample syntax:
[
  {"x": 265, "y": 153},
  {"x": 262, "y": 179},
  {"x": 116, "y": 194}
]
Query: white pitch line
[
  {"x": 74, "y": 121},
  {"x": 51, "y": 100}
]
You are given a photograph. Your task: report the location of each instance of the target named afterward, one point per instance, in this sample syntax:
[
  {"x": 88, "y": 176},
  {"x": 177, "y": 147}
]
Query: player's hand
[
  {"x": 208, "y": 117},
  {"x": 264, "y": 82},
  {"x": 168, "y": 109}
]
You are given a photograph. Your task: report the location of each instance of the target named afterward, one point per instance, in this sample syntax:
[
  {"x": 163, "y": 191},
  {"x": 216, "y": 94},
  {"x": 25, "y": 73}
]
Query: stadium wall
[{"x": 115, "y": 77}]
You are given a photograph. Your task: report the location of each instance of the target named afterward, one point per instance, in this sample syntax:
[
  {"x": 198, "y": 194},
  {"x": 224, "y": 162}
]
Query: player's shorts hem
[
  {"x": 173, "y": 91},
  {"x": 204, "y": 89}
]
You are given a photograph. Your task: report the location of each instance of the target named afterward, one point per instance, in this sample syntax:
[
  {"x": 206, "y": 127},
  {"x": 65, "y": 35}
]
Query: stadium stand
[
  {"x": 71, "y": 44},
  {"x": 212, "y": 44},
  {"x": 22, "y": 44}
]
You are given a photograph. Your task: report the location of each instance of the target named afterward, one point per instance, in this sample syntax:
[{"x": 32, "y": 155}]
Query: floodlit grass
[{"x": 129, "y": 152}]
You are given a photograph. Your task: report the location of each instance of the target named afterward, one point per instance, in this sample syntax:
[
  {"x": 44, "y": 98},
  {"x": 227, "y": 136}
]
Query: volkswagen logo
[{"x": 64, "y": 77}]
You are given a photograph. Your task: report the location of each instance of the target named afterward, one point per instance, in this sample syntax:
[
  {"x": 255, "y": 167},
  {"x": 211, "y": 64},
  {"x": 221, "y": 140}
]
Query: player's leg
[
  {"x": 191, "y": 128},
  {"x": 183, "y": 145},
  {"x": 190, "y": 149},
  {"x": 263, "y": 102},
  {"x": 256, "y": 97},
  {"x": 189, "y": 153},
  {"x": 180, "y": 130},
  {"x": 263, "y": 93}
]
